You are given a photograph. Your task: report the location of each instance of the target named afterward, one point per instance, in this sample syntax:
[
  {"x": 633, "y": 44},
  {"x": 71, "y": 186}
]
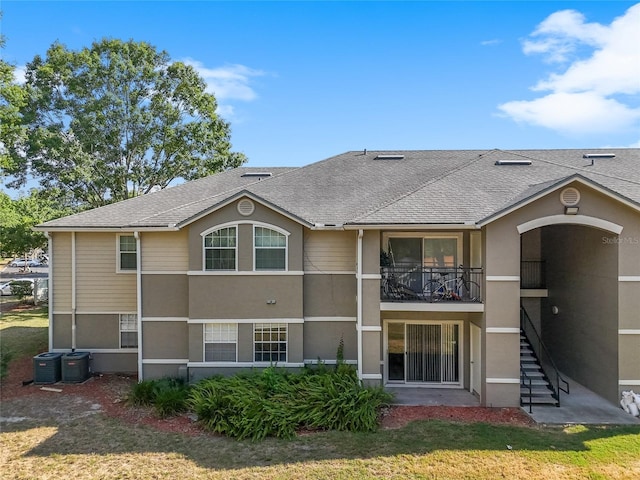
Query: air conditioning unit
[
  {"x": 47, "y": 367},
  {"x": 75, "y": 367}
]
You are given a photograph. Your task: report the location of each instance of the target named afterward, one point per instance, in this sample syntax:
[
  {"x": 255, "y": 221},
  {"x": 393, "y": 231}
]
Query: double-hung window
[
  {"x": 220, "y": 342},
  {"x": 127, "y": 254},
  {"x": 270, "y": 342},
  {"x": 220, "y": 249},
  {"x": 128, "y": 330},
  {"x": 270, "y": 249}
]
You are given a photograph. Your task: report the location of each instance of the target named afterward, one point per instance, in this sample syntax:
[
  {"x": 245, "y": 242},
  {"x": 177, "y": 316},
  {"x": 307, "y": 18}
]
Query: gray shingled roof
[{"x": 425, "y": 187}]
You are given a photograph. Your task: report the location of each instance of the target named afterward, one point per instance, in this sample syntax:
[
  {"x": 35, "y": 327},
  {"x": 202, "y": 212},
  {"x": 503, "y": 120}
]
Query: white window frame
[
  {"x": 286, "y": 342},
  {"x": 119, "y": 253},
  {"x": 132, "y": 320},
  {"x": 204, "y": 248},
  {"x": 221, "y": 341},
  {"x": 286, "y": 246}
]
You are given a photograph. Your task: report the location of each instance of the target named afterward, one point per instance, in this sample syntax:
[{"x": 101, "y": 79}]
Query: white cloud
[
  {"x": 227, "y": 83},
  {"x": 490, "y": 43},
  {"x": 595, "y": 92}
]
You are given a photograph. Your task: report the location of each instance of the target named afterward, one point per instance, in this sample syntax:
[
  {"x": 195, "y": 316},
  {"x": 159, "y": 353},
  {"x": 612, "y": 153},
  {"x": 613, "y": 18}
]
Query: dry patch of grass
[{"x": 101, "y": 447}]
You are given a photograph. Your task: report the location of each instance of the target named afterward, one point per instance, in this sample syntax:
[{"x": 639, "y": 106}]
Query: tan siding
[
  {"x": 99, "y": 288},
  {"x": 329, "y": 251},
  {"x": 164, "y": 252},
  {"x": 61, "y": 272}
]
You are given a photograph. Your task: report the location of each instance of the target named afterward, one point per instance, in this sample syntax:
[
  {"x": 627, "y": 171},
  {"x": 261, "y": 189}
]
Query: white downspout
[
  {"x": 359, "y": 312},
  {"x": 73, "y": 291},
  {"x": 139, "y": 301},
  {"x": 50, "y": 286}
]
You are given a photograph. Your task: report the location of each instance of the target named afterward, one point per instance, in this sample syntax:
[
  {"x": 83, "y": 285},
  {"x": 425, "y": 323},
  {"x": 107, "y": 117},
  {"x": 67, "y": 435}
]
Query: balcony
[{"x": 415, "y": 283}]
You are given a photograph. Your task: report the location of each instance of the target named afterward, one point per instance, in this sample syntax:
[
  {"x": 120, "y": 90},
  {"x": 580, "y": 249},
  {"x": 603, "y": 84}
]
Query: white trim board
[
  {"x": 509, "y": 381},
  {"x": 629, "y": 382},
  {"x": 165, "y": 361},
  {"x": 502, "y": 330},
  {"x": 629, "y": 278},
  {"x": 330, "y": 319},
  {"x": 193, "y": 321},
  {"x": 431, "y": 307},
  {"x": 165, "y": 319},
  {"x": 503, "y": 278},
  {"x": 629, "y": 331}
]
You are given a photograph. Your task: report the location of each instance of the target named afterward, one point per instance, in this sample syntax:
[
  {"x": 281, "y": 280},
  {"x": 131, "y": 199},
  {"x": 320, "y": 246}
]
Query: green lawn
[
  {"x": 97, "y": 447},
  {"x": 22, "y": 332}
]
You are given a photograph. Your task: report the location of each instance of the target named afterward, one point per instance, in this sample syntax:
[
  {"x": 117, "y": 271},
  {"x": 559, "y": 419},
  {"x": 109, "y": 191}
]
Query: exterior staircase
[{"x": 535, "y": 387}]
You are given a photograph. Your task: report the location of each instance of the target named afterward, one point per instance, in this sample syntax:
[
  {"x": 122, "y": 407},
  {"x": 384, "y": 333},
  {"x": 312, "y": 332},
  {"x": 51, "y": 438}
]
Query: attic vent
[
  {"x": 599, "y": 155},
  {"x": 513, "y": 162},
  {"x": 246, "y": 207},
  {"x": 569, "y": 197},
  {"x": 257, "y": 174},
  {"x": 389, "y": 157}
]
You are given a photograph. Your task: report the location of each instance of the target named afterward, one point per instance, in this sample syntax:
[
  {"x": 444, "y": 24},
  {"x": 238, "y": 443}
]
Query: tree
[
  {"x": 12, "y": 132},
  {"x": 18, "y": 217},
  {"x": 115, "y": 120}
]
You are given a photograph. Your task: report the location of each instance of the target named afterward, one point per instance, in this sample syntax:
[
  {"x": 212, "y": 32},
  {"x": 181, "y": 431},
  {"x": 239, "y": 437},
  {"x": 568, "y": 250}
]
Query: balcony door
[
  {"x": 439, "y": 251},
  {"x": 424, "y": 353}
]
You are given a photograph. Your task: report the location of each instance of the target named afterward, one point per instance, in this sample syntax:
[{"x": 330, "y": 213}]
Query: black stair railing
[
  {"x": 525, "y": 382},
  {"x": 547, "y": 364}
]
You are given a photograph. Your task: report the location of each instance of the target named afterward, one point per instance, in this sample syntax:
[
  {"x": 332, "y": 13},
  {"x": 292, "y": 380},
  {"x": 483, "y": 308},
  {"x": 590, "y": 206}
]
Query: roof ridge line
[{"x": 423, "y": 185}]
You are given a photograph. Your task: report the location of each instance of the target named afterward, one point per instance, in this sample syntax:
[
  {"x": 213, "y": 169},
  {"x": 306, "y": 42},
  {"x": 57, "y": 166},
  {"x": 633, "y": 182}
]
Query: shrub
[
  {"x": 276, "y": 403},
  {"x": 22, "y": 289},
  {"x": 167, "y": 395}
]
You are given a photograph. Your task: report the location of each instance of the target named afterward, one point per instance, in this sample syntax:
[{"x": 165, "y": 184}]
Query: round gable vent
[
  {"x": 570, "y": 197},
  {"x": 246, "y": 207}
]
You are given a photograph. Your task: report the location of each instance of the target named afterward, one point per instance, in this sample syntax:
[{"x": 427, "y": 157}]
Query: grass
[
  {"x": 22, "y": 332},
  {"x": 97, "y": 447}
]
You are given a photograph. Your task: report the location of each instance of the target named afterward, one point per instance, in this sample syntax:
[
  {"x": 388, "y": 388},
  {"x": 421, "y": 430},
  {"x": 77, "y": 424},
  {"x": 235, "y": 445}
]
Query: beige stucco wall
[
  {"x": 165, "y": 339},
  {"x": 239, "y": 296},
  {"x": 124, "y": 362},
  {"x": 330, "y": 295},
  {"x": 97, "y": 331},
  {"x": 61, "y": 330},
  {"x": 321, "y": 340},
  {"x": 165, "y": 251},
  {"x": 165, "y": 295}
]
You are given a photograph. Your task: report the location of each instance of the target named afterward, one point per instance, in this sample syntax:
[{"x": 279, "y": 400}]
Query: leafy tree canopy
[
  {"x": 115, "y": 120},
  {"x": 12, "y": 99},
  {"x": 19, "y": 216}
]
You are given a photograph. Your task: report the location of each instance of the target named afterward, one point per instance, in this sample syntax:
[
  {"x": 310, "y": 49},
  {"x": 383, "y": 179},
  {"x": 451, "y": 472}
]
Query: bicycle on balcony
[{"x": 459, "y": 288}]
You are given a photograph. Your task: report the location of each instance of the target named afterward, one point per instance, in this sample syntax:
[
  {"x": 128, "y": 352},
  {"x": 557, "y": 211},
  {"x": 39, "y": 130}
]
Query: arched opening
[{"x": 576, "y": 312}]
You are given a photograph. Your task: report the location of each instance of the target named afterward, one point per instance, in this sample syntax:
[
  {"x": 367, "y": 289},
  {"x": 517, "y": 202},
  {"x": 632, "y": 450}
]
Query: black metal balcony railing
[
  {"x": 401, "y": 283},
  {"x": 532, "y": 274}
]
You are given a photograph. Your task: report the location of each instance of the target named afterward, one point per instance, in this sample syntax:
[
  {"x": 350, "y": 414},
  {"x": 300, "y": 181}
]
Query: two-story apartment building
[{"x": 419, "y": 262}]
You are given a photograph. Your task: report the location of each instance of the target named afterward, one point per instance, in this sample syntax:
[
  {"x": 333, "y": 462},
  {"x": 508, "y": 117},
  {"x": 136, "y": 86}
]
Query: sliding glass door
[{"x": 426, "y": 353}]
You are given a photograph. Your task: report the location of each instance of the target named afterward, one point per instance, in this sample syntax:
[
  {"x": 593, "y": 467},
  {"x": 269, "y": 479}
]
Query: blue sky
[{"x": 302, "y": 81}]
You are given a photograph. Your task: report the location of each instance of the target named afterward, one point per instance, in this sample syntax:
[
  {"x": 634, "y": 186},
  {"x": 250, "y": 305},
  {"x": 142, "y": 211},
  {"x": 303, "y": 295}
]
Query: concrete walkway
[
  {"x": 450, "y": 397},
  {"x": 582, "y": 406}
]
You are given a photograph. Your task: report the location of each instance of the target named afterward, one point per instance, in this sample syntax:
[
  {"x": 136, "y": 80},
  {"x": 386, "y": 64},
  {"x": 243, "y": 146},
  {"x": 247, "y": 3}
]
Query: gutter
[
  {"x": 50, "y": 286},
  {"x": 136, "y": 234},
  {"x": 73, "y": 291},
  {"x": 359, "y": 311}
]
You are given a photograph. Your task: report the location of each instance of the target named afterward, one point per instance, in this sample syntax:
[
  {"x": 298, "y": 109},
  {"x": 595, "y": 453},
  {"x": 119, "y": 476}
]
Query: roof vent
[
  {"x": 257, "y": 174},
  {"x": 389, "y": 157},
  {"x": 246, "y": 207},
  {"x": 569, "y": 197},
  {"x": 599, "y": 155},
  {"x": 513, "y": 162}
]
